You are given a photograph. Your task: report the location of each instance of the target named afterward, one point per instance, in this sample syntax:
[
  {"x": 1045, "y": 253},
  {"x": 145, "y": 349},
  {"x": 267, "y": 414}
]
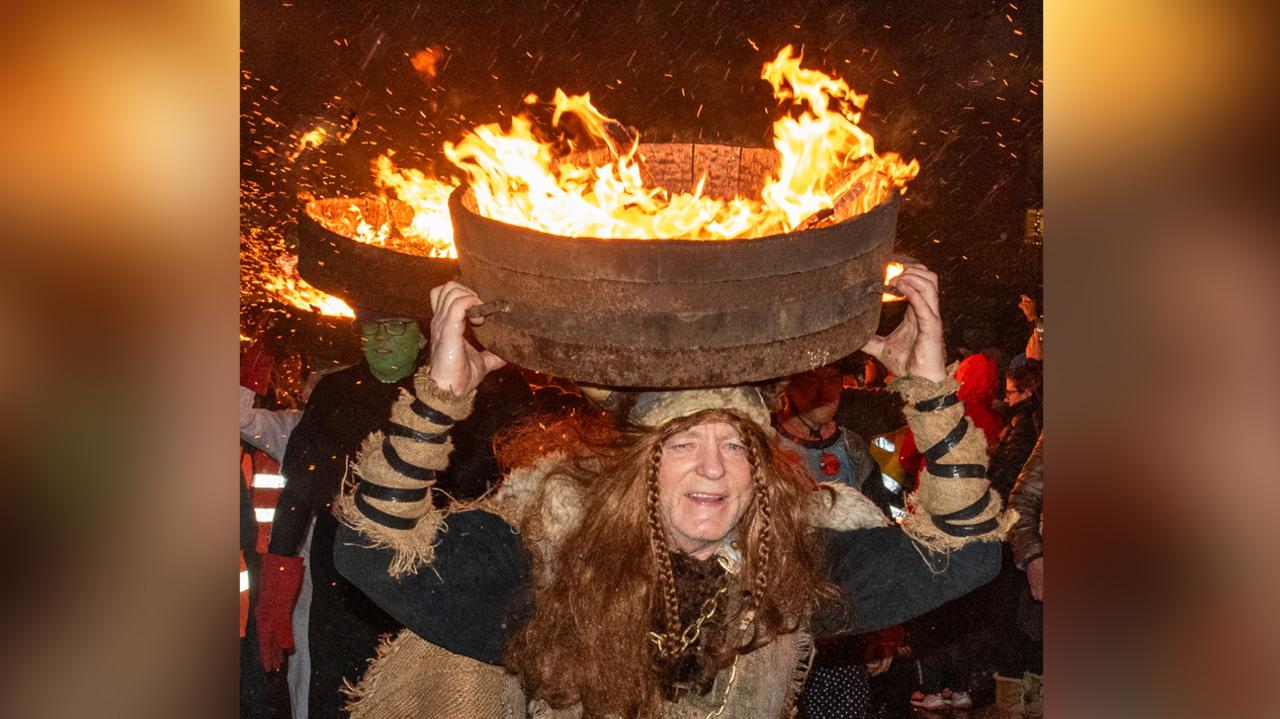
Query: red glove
[
  {"x": 281, "y": 578},
  {"x": 256, "y": 364}
]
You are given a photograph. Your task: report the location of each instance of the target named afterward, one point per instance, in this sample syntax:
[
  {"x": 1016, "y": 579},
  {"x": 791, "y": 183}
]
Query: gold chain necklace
[
  {"x": 691, "y": 632},
  {"x": 728, "y": 686}
]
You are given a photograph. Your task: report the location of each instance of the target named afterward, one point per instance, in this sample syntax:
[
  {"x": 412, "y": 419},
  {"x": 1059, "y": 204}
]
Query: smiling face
[{"x": 704, "y": 486}]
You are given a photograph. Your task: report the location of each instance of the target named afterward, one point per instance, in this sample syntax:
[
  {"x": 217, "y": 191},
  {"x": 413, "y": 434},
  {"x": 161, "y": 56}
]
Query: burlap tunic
[{"x": 457, "y": 581}]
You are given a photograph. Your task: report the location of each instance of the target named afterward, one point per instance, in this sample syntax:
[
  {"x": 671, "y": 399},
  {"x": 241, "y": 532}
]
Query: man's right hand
[
  {"x": 1028, "y": 307},
  {"x": 456, "y": 366},
  {"x": 914, "y": 348}
]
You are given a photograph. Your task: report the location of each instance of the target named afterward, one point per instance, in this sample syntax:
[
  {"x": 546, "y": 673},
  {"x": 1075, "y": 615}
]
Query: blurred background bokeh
[{"x": 120, "y": 153}]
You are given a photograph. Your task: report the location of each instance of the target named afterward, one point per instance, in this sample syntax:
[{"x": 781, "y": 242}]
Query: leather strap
[
  {"x": 391, "y": 494},
  {"x": 378, "y": 516},
  {"x": 937, "y": 403},
  {"x": 431, "y": 414},
  {"x": 973, "y": 510},
  {"x": 943, "y": 447},
  {"x": 956, "y": 471},
  {"x": 402, "y": 466},
  {"x": 945, "y": 522},
  {"x": 809, "y": 443},
  {"x": 966, "y": 530},
  {"x": 400, "y": 430}
]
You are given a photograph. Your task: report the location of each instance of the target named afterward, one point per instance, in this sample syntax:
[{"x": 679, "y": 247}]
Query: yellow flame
[
  {"x": 429, "y": 197},
  {"x": 893, "y": 270},
  {"x": 825, "y": 158}
]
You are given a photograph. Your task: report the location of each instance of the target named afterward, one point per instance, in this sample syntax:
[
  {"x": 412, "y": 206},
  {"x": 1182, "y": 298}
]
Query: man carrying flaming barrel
[{"x": 663, "y": 563}]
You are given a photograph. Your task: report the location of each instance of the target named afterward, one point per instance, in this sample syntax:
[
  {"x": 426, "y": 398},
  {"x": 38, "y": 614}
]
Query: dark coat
[
  {"x": 1017, "y": 440},
  {"x": 1026, "y": 497}
]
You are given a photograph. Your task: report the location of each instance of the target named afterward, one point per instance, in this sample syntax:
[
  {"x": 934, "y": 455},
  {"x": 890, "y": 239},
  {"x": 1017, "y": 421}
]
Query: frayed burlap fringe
[
  {"x": 458, "y": 407},
  {"x": 922, "y": 529},
  {"x": 411, "y": 678},
  {"x": 848, "y": 509},
  {"x": 416, "y": 546},
  {"x": 412, "y": 548},
  {"x": 939, "y": 495},
  {"x": 806, "y": 650}
]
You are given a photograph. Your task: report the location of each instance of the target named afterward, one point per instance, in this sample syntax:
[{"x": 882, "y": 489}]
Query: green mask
[{"x": 391, "y": 357}]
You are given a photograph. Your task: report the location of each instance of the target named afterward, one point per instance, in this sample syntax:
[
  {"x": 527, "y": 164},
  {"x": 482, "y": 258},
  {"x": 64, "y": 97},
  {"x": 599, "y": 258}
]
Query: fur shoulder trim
[
  {"x": 538, "y": 502},
  {"x": 847, "y": 508}
]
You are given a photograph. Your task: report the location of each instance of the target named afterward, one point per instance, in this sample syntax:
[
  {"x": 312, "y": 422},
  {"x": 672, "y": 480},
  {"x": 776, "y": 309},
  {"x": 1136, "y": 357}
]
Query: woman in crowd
[{"x": 1018, "y": 438}]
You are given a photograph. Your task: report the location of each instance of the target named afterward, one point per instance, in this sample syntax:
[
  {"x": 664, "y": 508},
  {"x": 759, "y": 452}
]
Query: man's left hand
[{"x": 914, "y": 349}]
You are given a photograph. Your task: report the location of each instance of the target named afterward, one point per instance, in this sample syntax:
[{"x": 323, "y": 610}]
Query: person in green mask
[
  {"x": 391, "y": 344},
  {"x": 341, "y": 626}
]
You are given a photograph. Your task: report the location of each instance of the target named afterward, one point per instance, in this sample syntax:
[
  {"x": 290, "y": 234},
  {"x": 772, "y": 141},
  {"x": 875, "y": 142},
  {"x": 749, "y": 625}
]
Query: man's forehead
[{"x": 712, "y": 427}]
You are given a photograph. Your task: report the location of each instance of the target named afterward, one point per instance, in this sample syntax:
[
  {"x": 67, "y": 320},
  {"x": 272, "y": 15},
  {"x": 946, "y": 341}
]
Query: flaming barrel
[
  {"x": 678, "y": 313},
  {"x": 362, "y": 274}
]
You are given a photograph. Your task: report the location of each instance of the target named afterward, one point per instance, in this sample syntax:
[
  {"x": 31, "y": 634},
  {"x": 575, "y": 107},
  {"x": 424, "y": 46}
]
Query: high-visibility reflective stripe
[
  {"x": 264, "y": 515},
  {"x": 884, "y": 443},
  {"x": 268, "y": 481},
  {"x": 244, "y": 581},
  {"x": 898, "y": 514},
  {"x": 890, "y": 483}
]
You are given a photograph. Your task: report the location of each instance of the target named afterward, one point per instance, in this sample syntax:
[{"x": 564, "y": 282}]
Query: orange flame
[
  {"x": 289, "y": 288},
  {"x": 309, "y": 140},
  {"x": 297, "y": 292},
  {"x": 825, "y": 159},
  {"x": 893, "y": 270}
]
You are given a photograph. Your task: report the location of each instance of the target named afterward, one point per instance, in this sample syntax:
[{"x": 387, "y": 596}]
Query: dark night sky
[{"x": 955, "y": 85}]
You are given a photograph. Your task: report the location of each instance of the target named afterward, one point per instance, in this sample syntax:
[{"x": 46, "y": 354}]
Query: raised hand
[
  {"x": 1028, "y": 307},
  {"x": 915, "y": 347},
  {"x": 456, "y": 365}
]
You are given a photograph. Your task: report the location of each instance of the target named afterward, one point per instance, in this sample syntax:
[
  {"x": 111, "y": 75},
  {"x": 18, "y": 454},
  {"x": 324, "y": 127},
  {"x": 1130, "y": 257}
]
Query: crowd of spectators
[{"x": 309, "y": 628}]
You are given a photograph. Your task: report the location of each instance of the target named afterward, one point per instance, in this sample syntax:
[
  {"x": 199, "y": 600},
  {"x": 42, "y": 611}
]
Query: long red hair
[{"x": 608, "y": 588}]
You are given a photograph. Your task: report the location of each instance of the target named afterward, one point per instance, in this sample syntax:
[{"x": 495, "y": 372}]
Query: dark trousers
[
  {"x": 345, "y": 630},
  {"x": 337, "y": 654}
]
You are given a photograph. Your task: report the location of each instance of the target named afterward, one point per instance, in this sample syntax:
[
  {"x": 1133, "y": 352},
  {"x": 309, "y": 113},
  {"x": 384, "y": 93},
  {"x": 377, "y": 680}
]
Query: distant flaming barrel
[
  {"x": 679, "y": 313},
  {"x": 367, "y": 275}
]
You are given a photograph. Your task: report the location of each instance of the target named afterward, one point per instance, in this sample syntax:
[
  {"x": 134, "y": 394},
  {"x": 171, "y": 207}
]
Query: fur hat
[{"x": 656, "y": 408}]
